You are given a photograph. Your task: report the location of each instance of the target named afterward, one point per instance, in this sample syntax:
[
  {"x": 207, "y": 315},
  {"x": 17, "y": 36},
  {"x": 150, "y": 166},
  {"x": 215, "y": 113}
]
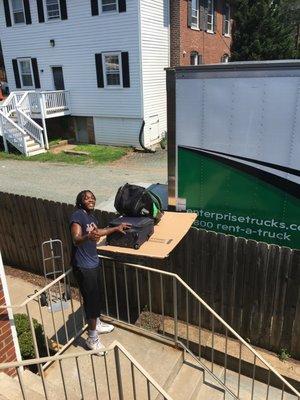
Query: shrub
[
  {"x": 284, "y": 355},
  {"x": 25, "y": 336}
]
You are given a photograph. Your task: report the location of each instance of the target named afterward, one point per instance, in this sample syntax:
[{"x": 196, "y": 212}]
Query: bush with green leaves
[{"x": 25, "y": 336}]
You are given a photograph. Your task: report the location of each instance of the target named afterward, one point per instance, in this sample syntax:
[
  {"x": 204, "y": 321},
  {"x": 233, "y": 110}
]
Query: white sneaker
[
  {"x": 102, "y": 327},
  {"x": 95, "y": 344}
]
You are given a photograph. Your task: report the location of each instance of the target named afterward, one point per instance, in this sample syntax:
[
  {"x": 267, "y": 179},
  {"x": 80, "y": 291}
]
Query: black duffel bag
[{"x": 136, "y": 201}]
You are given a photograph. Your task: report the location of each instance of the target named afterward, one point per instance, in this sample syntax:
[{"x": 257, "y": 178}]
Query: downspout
[{"x": 142, "y": 142}]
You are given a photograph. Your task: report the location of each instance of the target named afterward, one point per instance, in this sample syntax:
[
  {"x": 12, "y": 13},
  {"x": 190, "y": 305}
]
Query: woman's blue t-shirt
[{"x": 85, "y": 255}]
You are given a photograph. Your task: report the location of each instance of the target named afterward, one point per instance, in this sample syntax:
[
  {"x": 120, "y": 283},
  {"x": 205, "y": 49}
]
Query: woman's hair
[{"x": 81, "y": 196}]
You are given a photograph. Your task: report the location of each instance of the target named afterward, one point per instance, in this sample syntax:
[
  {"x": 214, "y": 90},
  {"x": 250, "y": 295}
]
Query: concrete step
[
  {"x": 161, "y": 361},
  {"x": 30, "y": 142},
  {"x": 36, "y": 152},
  {"x": 33, "y": 147},
  {"x": 10, "y": 388},
  {"x": 188, "y": 381},
  {"x": 210, "y": 389},
  {"x": 54, "y": 392},
  {"x": 260, "y": 389},
  {"x": 2, "y": 397}
]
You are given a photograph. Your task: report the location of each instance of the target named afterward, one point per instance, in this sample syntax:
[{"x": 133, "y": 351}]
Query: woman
[{"x": 86, "y": 263}]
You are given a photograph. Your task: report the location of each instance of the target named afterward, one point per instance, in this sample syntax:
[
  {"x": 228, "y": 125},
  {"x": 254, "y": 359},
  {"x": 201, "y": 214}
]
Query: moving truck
[{"x": 234, "y": 148}]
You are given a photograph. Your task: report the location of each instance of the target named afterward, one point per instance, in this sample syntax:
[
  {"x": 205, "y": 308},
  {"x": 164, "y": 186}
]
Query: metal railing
[
  {"x": 61, "y": 316},
  {"x": 130, "y": 288},
  {"x": 119, "y": 367},
  {"x": 138, "y": 295}
]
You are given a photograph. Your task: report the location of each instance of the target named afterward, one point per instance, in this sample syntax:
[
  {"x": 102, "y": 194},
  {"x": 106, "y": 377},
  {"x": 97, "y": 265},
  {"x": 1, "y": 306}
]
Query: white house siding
[
  {"x": 128, "y": 127},
  {"x": 155, "y": 58},
  {"x": 77, "y": 40}
]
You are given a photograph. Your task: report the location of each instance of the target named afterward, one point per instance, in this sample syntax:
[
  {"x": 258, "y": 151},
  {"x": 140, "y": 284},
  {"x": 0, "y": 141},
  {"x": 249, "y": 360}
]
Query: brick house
[
  {"x": 9, "y": 347},
  {"x": 200, "y": 31}
]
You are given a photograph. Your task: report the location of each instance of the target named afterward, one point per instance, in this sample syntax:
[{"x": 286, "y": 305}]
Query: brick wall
[
  {"x": 211, "y": 46},
  {"x": 7, "y": 348},
  {"x": 175, "y": 32}
]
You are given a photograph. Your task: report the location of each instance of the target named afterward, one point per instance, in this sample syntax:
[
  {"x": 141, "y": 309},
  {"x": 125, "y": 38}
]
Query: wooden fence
[{"x": 254, "y": 286}]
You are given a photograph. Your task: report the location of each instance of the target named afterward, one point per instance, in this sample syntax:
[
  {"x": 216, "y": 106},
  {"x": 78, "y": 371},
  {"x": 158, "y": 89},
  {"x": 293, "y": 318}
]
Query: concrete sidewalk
[{"x": 59, "y": 326}]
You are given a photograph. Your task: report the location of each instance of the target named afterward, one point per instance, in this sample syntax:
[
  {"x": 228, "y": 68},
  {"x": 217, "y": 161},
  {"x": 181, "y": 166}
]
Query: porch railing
[
  {"x": 13, "y": 133},
  {"x": 55, "y": 101},
  {"x": 33, "y": 129},
  {"x": 120, "y": 363},
  {"x": 9, "y": 105},
  {"x": 130, "y": 288},
  {"x": 37, "y": 102}
]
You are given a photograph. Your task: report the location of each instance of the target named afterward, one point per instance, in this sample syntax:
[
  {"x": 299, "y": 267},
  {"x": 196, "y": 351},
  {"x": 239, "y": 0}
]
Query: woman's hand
[
  {"x": 94, "y": 235},
  {"x": 122, "y": 228}
]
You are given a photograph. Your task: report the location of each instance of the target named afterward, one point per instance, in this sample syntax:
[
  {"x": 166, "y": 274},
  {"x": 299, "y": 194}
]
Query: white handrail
[
  {"x": 11, "y": 136},
  {"x": 22, "y": 98},
  {"x": 12, "y": 123},
  {"x": 30, "y": 120},
  {"x": 54, "y": 91},
  {"x": 7, "y": 100},
  {"x": 9, "y": 104},
  {"x": 36, "y": 131}
]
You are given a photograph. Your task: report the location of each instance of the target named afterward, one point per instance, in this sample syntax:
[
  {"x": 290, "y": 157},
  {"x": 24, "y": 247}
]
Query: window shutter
[
  {"x": 63, "y": 9},
  {"x": 16, "y": 73},
  {"x": 215, "y": 16},
  {"x": 99, "y": 70},
  {"x": 94, "y": 7},
  {"x": 27, "y": 12},
  {"x": 125, "y": 69},
  {"x": 36, "y": 75},
  {"x": 205, "y": 14},
  {"x": 200, "y": 59},
  {"x": 189, "y": 13},
  {"x": 40, "y": 8},
  {"x": 224, "y": 17},
  {"x": 7, "y": 12},
  {"x": 202, "y": 15},
  {"x": 122, "y": 5}
]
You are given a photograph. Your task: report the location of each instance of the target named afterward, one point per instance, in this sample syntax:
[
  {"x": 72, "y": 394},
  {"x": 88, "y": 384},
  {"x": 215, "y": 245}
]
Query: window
[
  {"x": 18, "y": 11},
  {"x": 226, "y": 26},
  {"x": 195, "y": 14},
  {"x": 26, "y": 73},
  {"x": 112, "y": 69},
  {"x": 210, "y": 15},
  {"x": 109, "y": 5},
  {"x": 52, "y": 9},
  {"x": 196, "y": 58}
]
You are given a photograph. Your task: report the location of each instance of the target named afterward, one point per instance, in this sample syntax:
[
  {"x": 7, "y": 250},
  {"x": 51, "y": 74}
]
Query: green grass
[
  {"x": 97, "y": 155},
  {"x": 54, "y": 142}
]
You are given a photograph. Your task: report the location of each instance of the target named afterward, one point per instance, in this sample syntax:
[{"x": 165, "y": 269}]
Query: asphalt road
[{"x": 62, "y": 182}]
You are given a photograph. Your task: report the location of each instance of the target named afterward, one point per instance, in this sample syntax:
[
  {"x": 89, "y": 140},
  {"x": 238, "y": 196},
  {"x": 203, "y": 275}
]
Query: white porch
[{"x": 21, "y": 108}]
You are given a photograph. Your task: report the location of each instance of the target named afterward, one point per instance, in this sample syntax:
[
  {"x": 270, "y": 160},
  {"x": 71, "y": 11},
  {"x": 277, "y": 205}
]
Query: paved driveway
[{"x": 62, "y": 182}]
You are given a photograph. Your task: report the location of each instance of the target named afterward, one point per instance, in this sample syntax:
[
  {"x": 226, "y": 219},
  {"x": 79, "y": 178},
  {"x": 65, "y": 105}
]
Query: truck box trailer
[{"x": 234, "y": 148}]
